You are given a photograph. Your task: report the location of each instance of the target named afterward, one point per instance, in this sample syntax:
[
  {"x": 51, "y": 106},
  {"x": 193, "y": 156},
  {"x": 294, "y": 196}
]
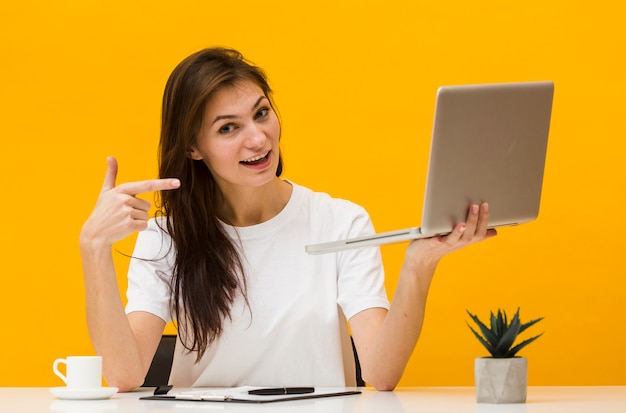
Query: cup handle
[{"x": 55, "y": 369}]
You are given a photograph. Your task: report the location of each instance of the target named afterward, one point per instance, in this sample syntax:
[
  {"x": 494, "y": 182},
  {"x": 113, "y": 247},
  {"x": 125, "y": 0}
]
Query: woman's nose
[{"x": 255, "y": 137}]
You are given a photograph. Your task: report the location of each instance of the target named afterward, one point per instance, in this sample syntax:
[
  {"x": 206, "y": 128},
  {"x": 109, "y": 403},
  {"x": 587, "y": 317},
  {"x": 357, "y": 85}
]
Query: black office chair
[
  {"x": 159, "y": 372},
  {"x": 359, "y": 380}
]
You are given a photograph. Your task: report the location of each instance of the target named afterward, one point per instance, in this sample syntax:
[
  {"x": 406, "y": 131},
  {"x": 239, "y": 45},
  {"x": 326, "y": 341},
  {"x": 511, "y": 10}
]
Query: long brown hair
[{"x": 207, "y": 272}]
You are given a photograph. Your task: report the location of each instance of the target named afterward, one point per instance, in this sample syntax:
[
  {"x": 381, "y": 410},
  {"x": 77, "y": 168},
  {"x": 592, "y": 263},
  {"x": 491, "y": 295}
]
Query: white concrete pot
[{"x": 500, "y": 380}]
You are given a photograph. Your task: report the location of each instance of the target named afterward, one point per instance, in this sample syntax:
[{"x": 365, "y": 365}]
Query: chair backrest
[
  {"x": 159, "y": 372},
  {"x": 357, "y": 365}
]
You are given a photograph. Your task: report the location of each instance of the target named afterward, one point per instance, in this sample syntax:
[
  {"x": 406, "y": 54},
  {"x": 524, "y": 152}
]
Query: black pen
[{"x": 276, "y": 391}]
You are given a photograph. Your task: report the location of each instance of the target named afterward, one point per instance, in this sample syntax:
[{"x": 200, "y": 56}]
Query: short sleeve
[
  {"x": 150, "y": 273},
  {"x": 361, "y": 276}
]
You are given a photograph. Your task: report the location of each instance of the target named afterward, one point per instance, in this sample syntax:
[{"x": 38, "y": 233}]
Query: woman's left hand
[
  {"x": 385, "y": 339},
  {"x": 465, "y": 233}
]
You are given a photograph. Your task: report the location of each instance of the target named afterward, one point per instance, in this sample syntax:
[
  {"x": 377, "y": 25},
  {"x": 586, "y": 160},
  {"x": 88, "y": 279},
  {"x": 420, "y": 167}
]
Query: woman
[{"x": 225, "y": 255}]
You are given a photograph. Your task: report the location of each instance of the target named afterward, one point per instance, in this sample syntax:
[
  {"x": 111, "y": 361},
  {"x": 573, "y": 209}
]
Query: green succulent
[{"x": 499, "y": 338}]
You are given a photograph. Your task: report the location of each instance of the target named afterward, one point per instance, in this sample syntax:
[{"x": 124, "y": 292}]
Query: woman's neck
[{"x": 243, "y": 207}]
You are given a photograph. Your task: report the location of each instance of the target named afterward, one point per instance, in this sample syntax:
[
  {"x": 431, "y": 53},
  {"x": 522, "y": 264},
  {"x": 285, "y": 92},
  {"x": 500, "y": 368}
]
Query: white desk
[{"x": 403, "y": 400}]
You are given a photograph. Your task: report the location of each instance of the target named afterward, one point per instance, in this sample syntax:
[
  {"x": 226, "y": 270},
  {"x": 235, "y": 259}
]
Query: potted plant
[{"x": 502, "y": 377}]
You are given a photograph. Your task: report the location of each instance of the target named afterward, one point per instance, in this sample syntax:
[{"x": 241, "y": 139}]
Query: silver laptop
[{"x": 488, "y": 145}]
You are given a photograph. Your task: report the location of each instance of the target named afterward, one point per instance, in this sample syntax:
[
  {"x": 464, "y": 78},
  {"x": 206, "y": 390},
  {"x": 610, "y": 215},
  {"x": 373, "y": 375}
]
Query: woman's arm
[
  {"x": 385, "y": 339},
  {"x": 126, "y": 343}
]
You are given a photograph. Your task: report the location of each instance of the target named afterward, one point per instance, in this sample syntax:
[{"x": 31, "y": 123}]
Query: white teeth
[{"x": 257, "y": 157}]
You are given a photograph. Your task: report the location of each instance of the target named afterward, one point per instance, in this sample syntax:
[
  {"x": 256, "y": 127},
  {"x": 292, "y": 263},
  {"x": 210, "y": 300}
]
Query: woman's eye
[
  {"x": 228, "y": 128},
  {"x": 262, "y": 113}
]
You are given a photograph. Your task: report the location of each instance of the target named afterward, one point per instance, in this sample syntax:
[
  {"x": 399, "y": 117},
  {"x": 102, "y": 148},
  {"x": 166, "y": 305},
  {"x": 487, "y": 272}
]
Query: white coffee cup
[{"x": 81, "y": 372}]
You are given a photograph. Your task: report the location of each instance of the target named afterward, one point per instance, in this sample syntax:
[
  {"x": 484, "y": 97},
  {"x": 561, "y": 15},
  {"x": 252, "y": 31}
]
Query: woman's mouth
[{"x": 257, "y": 160}]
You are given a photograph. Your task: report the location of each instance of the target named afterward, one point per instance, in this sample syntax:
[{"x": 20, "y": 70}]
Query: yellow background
[{"x": 355, "y": 83}]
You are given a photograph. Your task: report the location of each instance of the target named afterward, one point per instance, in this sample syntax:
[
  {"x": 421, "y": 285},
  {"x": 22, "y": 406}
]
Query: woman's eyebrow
[{"x": 256, "y": 104}]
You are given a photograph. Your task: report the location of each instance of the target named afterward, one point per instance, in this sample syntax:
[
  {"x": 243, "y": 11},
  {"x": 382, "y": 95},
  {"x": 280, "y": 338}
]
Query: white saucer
[{"x": 99, "y": 393}]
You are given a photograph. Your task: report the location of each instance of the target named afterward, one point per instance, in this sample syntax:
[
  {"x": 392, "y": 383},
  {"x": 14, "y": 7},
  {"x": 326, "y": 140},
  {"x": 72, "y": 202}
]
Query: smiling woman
[{"x": 224, "y": 256}]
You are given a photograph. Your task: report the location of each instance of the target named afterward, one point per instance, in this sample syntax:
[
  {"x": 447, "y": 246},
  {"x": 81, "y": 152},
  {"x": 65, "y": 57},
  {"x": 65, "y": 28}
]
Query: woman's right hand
[
  {"x": 126, "y": 348},
  {"x": 118, "y": 212}
]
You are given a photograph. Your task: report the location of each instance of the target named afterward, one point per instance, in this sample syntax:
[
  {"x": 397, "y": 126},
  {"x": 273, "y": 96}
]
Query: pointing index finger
[{"x": 150, "y": 185}]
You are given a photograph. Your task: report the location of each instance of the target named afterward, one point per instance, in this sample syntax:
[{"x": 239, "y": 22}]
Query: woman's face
[{"x": 239, "y": 137}]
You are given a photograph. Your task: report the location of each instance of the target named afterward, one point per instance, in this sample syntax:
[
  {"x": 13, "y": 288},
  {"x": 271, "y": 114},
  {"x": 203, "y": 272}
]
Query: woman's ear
[{"x": 194, "y": 153}]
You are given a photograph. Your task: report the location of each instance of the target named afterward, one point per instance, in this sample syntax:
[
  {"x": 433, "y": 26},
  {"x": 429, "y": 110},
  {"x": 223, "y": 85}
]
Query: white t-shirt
[{"x": 293, "y": 333}]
